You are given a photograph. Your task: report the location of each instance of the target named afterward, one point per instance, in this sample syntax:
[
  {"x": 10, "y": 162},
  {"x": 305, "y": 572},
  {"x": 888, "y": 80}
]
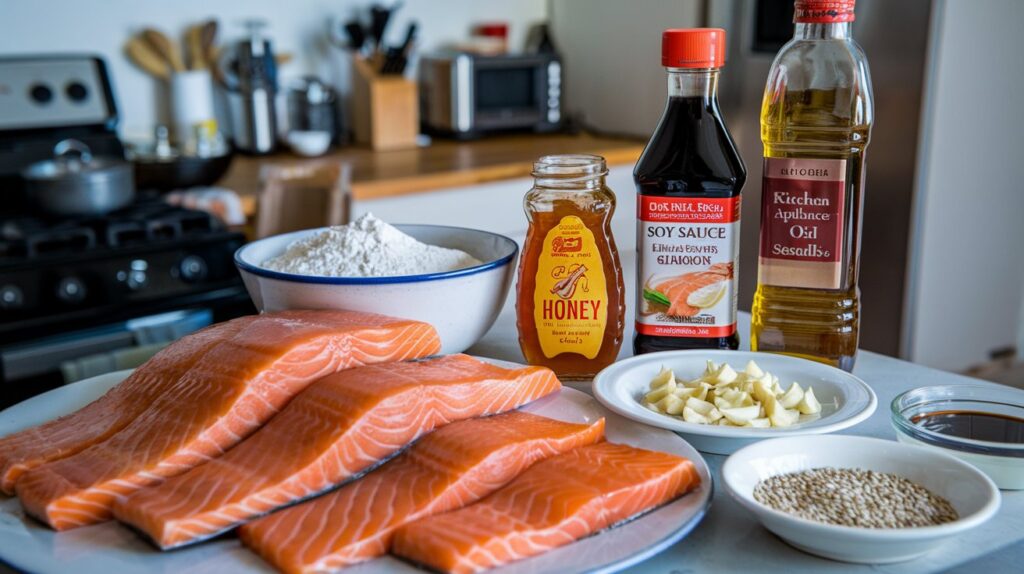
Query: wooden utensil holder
[{"x": 385, "y": 109}]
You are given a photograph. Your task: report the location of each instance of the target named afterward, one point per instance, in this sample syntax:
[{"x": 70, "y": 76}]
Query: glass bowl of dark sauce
[{"x": 981, "y": 424}]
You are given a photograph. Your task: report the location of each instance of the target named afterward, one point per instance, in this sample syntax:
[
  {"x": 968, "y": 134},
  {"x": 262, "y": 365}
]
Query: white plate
[
  {"x": 973, "y": 495},
  {"x": 106, "y": 548},
  {"x": 845, "y": 399}
]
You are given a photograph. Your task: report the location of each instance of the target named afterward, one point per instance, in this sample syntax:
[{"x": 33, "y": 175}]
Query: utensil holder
[
  {"x": 191, "y": 103},
  {"x": 385, "y": 109}
]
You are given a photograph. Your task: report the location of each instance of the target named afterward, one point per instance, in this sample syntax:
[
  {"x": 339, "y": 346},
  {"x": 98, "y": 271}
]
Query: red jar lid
[
  {"x": 693, "y": 48},
  {"x": 823, "y": 11}
]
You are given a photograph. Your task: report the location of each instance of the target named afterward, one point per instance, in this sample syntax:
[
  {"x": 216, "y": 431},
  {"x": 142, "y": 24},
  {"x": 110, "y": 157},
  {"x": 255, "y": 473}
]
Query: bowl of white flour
[{"x": 456, "y": 279}]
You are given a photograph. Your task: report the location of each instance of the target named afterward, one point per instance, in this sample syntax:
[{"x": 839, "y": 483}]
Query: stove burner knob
[
  {"x": 71, "y": 290},
  {"x": 11, "y": 297},
  {"x": 193, "y": 269},
  {"x": 40, "y": 93},
  {"x": 136, "y": 279}
]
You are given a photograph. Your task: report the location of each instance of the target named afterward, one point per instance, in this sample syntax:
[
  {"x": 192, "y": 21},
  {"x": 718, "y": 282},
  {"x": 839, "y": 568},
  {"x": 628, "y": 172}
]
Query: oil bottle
[
  {"x": 816, "y": 119},
  {"x": 688, "y": 180}
]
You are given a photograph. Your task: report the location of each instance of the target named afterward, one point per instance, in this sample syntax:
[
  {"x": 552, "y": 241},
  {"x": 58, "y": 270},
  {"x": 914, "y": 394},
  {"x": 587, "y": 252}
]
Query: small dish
[
  {"x": 309, "y": 143},
  {"x": 845, "y": 399},
  {"x": 973, "y": 495},
  {"x": 1003, "y": 462},
  {"x": 461, "y": 304}
]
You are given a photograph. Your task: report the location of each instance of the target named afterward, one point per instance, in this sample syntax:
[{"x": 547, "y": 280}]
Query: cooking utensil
[
  {"x": 194, "y": 48},
  {"x": 356, "y": 35},
  {"x": 165, "y": 47},
  {"x": 397, "y": 58},
  {"x": 139, "y": 52},
  {"x": 249, "y": 69},
  {"x": 379, "y": 18},
  {"x": 162, "y": 167},
  {"x": 76, "y": 183}
]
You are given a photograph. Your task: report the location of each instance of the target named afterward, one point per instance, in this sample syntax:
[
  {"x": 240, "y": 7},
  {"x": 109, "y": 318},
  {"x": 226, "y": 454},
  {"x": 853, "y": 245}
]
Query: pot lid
[{"x": 71, "y": 158}]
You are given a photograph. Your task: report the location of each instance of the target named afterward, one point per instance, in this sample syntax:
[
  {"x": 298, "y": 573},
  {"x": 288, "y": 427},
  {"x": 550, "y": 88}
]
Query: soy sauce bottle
[{"x": 688, "y": 180}]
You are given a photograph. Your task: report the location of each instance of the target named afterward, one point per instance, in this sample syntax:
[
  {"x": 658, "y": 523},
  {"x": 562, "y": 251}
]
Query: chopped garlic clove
[
  {"x": 692, "y": 416},
  {"x": 792, "y": 397},
  {"x": 782, "y": 417},
  {"x": 672, "y": 404},
  {"x": 761, "y": 423},
  {"x": 742, "y": 415},
  {"x": 725, "y": 375},
  {"x": 702, "y": 407},
  {"x": 659, "y": 393},
  {"x": 753, "y": 370},
  {"x": 664, "y": 377},
  {"x": 809, "y": 405}
]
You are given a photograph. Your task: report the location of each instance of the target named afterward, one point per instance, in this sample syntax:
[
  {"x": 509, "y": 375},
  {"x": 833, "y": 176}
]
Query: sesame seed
[{"x": 854, "y": 497}]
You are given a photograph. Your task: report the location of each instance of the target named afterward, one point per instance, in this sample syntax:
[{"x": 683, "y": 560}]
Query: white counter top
[{"x": 729, "y": 540}]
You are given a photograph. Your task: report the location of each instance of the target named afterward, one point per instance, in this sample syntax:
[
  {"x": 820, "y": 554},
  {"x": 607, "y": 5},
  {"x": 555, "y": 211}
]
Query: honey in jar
[{"x": 569, "y": 297}]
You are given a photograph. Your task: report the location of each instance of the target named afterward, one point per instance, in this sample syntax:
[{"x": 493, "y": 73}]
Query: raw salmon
[
  {"x": 108, "y": 414},
  {"x": 447, "y": 469},
  {"x": 230, "y": 392},
  {"x": 553, "y": 503},
  {"x": 678, "y": 289},
  {"x": 340, "y": 426}
]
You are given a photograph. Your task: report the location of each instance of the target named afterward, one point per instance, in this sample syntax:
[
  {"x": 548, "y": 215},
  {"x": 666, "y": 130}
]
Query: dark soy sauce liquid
[
  {"x": 691, "y": 154},
  {"x": 974, "y": 425}
]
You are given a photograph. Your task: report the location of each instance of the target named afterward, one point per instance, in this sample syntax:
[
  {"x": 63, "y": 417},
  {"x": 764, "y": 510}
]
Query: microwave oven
[{"x": 467, "y": 95}]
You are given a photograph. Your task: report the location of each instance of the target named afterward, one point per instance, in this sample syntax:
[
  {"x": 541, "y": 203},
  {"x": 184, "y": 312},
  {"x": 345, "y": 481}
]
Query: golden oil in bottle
[{"x": 815, "y": 123}]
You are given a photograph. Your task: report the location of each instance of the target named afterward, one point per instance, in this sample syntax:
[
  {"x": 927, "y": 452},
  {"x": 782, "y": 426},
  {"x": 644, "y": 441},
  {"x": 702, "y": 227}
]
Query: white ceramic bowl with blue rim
[
  {"x": 462, "y": 304},
  {"x": 973, "y": 495},
  {"x": 845, "y": 399}
]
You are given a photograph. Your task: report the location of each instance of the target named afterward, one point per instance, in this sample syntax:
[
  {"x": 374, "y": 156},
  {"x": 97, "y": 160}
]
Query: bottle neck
[
  {"x": 693, "y": 83},
  {"x": 822, "y": 31}
]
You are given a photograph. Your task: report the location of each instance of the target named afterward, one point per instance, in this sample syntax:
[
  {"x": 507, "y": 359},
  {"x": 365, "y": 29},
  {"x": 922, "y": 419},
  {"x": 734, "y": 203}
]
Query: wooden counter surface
[{"x": 443, "y": 164}]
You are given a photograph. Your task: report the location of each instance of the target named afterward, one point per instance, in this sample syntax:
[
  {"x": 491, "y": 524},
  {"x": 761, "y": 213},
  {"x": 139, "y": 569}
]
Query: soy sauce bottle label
[
  {"x": 687, "y": 266},
  {"x": 570, "y": 294}
]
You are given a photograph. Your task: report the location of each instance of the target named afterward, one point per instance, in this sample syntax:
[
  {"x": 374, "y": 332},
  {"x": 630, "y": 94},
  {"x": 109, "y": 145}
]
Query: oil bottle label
[
  {"x": 571, "y": 296},
  {"x": 802, "y": 210},
  {"x": 687, "y": 266}
]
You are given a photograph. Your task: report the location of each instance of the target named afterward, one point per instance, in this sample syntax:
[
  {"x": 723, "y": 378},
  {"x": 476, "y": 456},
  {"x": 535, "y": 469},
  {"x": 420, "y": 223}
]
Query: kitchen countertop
[
  {"x": 443, "y": 164},
  {"x": 730, "y": 540}
]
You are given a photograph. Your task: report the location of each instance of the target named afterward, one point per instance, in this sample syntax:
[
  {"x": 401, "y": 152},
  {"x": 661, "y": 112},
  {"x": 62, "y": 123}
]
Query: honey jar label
[
  {"x": 570, "y": 294},
  {"x": 687, "y": 249},
  {"x": 802, "y": 209}
]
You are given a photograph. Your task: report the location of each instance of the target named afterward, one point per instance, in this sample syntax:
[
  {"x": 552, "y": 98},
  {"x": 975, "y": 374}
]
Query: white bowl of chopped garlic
[
  {"x": 721, "y": 401},
  {"x": 374, "y": 267},
  {"x": 859, "y": 499}
]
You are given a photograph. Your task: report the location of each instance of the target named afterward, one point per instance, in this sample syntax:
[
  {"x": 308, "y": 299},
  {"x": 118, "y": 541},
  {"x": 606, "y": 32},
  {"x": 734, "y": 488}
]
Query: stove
[{"x": 89, "y": 290}]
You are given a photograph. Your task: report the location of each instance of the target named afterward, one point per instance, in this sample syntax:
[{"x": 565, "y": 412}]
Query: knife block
[{"x": 385, "y": 109}]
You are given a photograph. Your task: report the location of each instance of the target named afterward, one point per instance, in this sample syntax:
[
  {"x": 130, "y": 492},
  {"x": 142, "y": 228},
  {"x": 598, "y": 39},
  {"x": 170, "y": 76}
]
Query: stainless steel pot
[{"x": 76, "y": 183}]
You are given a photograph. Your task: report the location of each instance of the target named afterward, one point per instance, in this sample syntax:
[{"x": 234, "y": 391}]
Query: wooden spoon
[
  {"x": 165, "y": 47},
  {"x": 194, "y": 48},
  {"x": 139, "y": 52}
]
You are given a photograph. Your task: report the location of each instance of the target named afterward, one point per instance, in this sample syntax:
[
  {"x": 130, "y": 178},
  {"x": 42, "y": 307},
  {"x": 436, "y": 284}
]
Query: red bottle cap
[
  {"x": 823, "y": 11},
  {"x": 693, "y": 48}
]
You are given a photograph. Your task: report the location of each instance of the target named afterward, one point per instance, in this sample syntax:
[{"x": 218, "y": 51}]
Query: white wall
[
  {"x": 967, "y": 263},
  {"x": 298, "y": 26}
]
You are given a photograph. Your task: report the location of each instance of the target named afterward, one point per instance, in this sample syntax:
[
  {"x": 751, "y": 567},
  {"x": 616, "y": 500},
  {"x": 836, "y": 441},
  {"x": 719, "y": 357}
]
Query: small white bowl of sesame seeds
[{"x": 859, "y": 499}]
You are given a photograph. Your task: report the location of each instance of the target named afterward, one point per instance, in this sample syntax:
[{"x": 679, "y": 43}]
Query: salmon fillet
[
  {"x": 340, "y": 426},
  {"x": 108, "y": 414},
  {"x": 230, "y": 392},
  {"x": 678, "y": 289},
  {"x": 445, "y": 470},
  {"x": 553, "y": 503}
]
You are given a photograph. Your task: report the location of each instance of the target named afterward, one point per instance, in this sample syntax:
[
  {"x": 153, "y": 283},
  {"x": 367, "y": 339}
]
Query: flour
[{"x": 367, "y": 247}]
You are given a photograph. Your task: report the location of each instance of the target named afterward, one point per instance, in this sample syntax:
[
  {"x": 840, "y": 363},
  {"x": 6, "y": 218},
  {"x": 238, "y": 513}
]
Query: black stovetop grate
[{"x": 143, "y": 223}]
